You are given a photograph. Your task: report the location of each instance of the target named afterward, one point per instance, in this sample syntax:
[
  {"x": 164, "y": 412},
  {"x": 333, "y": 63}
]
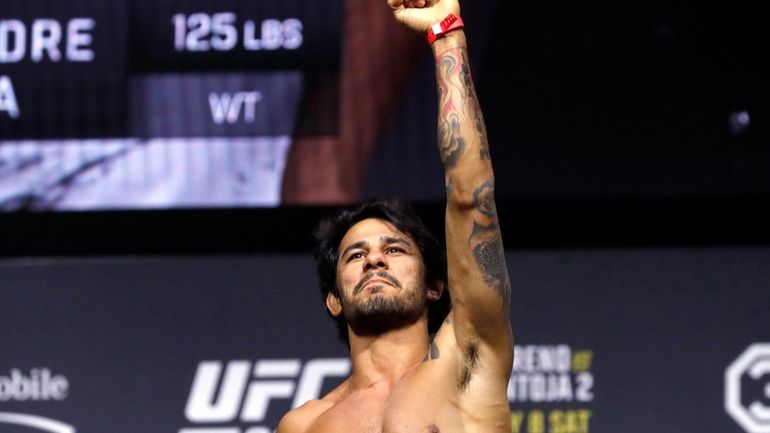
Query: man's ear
[
  {"x": 333, "y": 304},
  {"x": 435, "y": 290}
]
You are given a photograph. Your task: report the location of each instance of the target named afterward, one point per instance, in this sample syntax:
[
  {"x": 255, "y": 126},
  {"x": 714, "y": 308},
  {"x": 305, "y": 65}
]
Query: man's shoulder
[{"x": 298, "y": 420}]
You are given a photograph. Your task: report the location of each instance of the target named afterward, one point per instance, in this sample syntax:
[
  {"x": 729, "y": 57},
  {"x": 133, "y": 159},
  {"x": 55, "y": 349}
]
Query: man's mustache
[{"x": 379, "y": 274}]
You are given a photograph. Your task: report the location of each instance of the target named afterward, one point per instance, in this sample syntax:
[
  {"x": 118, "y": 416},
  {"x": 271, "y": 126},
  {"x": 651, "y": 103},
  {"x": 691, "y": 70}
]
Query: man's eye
[
  {"x": 355, "y": 256},
  {"x": 394, "y": 250}
]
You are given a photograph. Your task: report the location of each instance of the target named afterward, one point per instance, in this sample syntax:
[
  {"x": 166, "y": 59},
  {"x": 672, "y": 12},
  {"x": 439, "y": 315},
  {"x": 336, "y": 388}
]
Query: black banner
[
  {"x": 235, "y": 34},
  {"x": 215, "y": 104},
  {"x": 63, "y": 68},
  {"x": 646, "y": 340}
]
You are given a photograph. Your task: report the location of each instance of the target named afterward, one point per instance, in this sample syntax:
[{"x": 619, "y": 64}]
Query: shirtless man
[{"x": 381, "y": 277}]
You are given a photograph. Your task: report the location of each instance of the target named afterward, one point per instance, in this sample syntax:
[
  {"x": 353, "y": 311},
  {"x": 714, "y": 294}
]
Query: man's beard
[{"x": 379, "y": 314}]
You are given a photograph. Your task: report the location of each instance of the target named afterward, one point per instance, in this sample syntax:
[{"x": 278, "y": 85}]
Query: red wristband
[{"x": 451, "y": 22}]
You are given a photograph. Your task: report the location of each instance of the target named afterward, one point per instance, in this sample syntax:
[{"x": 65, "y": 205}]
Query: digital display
[{"x": 168, "y": 104}]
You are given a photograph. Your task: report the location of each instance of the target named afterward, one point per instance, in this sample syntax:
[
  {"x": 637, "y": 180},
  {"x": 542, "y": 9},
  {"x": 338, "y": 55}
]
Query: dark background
[
  {"x": 598, "y": 100},
  {"x": 608, "y": 125},
  {"x": 634, "y": 216}
]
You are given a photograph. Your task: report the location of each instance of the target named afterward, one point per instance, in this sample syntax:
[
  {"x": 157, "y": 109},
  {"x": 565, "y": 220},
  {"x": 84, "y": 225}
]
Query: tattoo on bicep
[{"x": 489, "y": 255}]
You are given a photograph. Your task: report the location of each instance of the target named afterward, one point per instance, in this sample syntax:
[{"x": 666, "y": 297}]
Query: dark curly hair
[{"x": 329, "y": 234}]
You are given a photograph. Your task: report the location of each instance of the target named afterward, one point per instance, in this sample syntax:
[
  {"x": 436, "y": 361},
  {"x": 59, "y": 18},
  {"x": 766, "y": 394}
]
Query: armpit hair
[{"x": 470, "y": 358}]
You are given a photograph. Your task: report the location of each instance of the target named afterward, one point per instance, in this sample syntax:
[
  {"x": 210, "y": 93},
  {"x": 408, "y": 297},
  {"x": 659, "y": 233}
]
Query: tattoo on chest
[{"x": 433, "y": 353}]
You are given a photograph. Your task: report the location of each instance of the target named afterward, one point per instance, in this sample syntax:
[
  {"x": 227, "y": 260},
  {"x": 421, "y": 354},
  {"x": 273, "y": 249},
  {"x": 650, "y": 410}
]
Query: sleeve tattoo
[{"x": 457, "y": 97}]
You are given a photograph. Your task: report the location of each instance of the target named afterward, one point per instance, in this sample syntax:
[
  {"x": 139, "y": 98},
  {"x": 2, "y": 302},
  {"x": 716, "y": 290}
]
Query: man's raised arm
[{"x": 478, "y": 279}]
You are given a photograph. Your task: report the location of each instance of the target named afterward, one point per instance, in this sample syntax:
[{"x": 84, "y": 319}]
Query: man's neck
[{"x": 383, "y": 359}]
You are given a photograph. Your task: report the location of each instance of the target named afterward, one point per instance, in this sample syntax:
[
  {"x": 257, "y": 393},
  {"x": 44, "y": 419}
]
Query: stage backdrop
[{"x": 607, "y": 341}]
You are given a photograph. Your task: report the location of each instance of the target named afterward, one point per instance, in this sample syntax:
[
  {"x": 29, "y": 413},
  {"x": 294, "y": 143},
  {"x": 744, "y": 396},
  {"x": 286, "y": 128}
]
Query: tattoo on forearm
[
  {"x": 472, "y": 102},
  {"x": 451, "y": 142},
  {"x": 484, "y": 146},
  {"x": 475, "y": 107},
  {"x": 454, "y": 71},
  {"x": 448, "y": 71},
  {"x": 465, "y": 76}
]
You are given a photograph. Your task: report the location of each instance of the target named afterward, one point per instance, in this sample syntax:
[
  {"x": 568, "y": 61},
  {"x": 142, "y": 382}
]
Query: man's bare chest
[{"x": 413, "y": 406}]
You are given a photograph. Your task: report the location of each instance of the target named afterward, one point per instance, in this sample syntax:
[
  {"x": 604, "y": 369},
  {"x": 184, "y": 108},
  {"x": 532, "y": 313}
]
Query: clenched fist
[{"x": 419, "y": 15}]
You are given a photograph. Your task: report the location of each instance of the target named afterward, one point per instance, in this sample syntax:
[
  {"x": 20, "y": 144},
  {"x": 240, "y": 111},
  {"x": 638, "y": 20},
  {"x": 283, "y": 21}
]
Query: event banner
[
  {"x": 95, "y": 95},
  {"x": 606, "y": 341}
]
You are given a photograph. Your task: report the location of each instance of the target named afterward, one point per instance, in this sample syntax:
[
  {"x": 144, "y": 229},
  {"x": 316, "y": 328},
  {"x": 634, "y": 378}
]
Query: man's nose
[{"x": 375, "y": 260}]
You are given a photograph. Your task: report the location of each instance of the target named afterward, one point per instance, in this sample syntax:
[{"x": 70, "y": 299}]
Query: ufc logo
[
  {"x": 217, "y": 396},
  {"x": 752, "y": 365}
]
